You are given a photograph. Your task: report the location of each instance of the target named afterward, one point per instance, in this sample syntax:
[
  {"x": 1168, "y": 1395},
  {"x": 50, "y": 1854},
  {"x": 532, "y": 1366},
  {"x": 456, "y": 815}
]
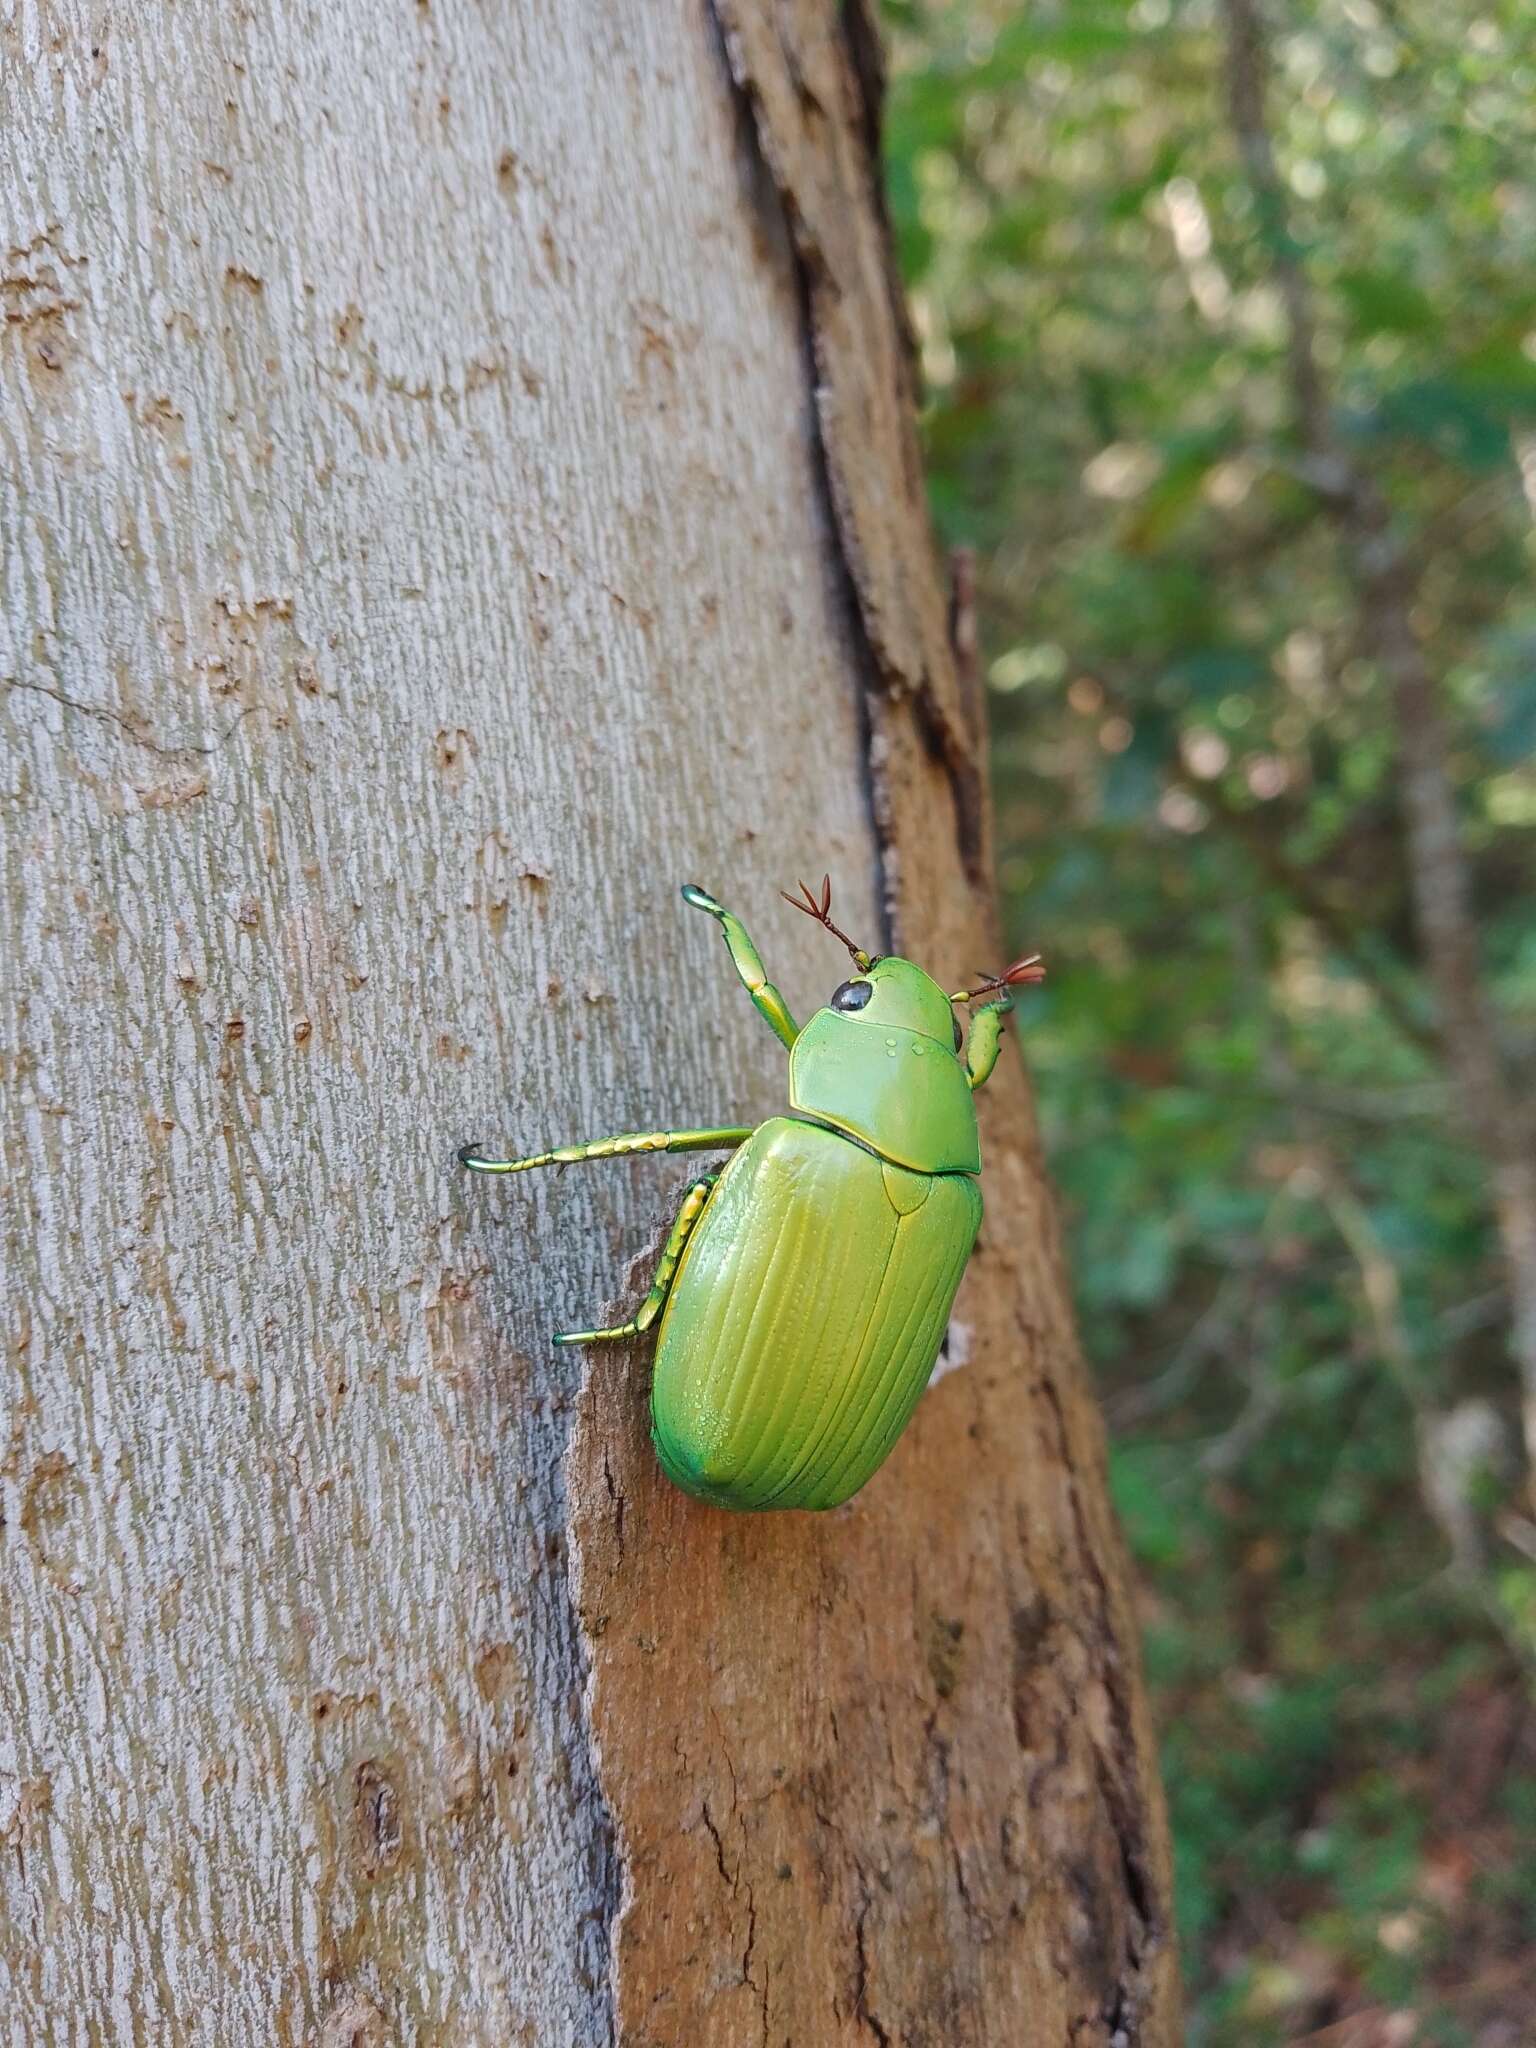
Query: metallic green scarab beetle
[{"x": 805, "y": 1289}]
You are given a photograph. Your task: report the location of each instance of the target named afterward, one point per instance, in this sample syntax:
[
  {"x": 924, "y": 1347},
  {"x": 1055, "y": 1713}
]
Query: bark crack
[
  {"x": 939, "y": 713},
  {"x": 177, "y": 750},
  {"x": 861, "y": 2008},
  {"x": 736, "y": 1884},
  {"x": 1144, "y": 1929},
  {"x": 872, "y": 750}
]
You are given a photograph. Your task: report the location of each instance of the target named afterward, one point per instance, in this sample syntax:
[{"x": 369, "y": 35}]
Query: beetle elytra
[{"x": 804, "y": 1291}]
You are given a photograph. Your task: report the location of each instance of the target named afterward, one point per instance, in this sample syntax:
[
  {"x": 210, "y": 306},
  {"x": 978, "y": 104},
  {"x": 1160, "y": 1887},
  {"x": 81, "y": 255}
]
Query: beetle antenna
[
  {"x": 1030, "y": 968},
  {"x": 821, "y": 909}
]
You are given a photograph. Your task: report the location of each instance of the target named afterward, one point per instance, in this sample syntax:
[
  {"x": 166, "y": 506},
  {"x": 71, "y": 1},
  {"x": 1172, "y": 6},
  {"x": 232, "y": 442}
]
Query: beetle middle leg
[
  {"x": 666, "y": 1270},
  {"x": 984, "y": 1041}
]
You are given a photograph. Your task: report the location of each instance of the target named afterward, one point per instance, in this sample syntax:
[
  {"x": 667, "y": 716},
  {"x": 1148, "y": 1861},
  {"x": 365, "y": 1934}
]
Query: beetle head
[
  {"x": 895, "y": 993},
  {"x": 891, "y": 993}
]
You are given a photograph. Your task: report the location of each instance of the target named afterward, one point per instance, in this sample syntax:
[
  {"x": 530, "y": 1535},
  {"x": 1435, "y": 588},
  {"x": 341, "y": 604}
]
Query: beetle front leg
[
  {"x": 748, "y": 964},
  {"x": 983, "y": 1041},
  {"x": 666, "y": 1271},
  {"x": 718, "y": 1138}
]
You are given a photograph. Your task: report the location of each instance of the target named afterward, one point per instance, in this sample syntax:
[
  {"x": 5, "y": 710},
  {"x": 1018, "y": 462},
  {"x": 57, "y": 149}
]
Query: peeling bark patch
[
  {"x": 376, "y": 1812},
  {"x": 37, "y": 298},
  {"x": 499, "y": 1672},
  {"x": 33, "y": 1800},
  {"x": 954, "y": 1352},
  {"x": 944, "y": 1638},
  {"x": 355, "y": 2023},
  {"x": 51, "y": 1505},
  {"x": 169, "y": 796}
]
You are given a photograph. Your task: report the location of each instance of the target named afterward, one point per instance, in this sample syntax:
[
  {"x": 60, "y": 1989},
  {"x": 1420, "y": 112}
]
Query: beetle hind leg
[{"x": 666, "y": 1271}]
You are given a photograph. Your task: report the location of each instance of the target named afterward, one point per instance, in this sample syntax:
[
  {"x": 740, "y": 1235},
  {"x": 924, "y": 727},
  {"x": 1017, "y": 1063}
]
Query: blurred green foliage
[{"x": 1287, "y": 1274}]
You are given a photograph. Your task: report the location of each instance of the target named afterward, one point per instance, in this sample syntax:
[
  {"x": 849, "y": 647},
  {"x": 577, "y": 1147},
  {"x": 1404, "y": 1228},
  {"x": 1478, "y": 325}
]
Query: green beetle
[{"x": 805, "y": 1289}]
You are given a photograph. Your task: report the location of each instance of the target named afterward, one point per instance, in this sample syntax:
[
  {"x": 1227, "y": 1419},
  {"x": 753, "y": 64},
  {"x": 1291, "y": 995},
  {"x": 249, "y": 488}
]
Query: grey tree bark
[{"x": 456, "y": 482}]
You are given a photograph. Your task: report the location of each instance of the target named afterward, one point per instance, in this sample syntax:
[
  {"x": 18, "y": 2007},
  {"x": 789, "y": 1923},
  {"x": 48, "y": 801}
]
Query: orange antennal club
[{"x": 1030, "y": 968}]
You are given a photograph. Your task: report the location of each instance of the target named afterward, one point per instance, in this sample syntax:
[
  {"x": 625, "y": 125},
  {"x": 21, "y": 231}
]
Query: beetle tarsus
[{"x": 666, "y": 1269}]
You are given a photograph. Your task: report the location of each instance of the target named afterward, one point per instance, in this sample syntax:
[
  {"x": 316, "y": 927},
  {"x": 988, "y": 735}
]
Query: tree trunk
[{"x": 458, "y": 483}]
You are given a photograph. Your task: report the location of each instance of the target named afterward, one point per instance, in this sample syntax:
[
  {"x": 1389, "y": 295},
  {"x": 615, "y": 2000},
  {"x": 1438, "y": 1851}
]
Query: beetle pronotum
[{"x": 805, "y": 1288}]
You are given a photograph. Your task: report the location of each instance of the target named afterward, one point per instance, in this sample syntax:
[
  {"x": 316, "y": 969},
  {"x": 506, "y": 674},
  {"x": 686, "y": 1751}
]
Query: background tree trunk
[{"x": 459, "y": 482}]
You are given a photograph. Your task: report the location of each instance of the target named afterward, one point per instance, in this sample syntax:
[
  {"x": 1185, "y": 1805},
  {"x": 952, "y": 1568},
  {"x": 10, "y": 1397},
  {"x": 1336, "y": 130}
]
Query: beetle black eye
[
  {"x": 852, "y": 995},
  {"x": 959, "y": 1034}
]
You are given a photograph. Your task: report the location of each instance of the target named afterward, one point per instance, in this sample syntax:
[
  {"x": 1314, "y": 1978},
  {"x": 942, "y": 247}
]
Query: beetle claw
[{"x": 700, "y": 899}]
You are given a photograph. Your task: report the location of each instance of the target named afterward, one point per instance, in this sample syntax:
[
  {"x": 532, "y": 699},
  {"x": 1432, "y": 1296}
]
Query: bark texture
[{"x": 457, "y": 480}]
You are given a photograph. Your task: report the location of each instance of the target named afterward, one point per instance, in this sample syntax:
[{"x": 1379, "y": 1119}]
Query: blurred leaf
[
  {"x": 1386, "y": 302},
  {"x": 1464, "y": 422}
]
